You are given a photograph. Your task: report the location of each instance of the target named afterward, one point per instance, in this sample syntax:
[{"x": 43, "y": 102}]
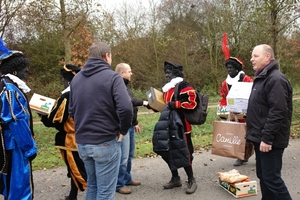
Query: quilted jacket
[{"x": 168, "y": 139}]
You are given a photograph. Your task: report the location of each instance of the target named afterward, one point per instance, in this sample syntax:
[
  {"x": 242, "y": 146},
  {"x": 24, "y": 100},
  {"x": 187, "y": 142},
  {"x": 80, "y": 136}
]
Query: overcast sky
[{"x": 110, "y": 4}]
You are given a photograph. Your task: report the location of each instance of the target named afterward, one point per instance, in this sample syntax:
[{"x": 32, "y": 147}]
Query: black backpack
[{"x": 198, "y": 115}]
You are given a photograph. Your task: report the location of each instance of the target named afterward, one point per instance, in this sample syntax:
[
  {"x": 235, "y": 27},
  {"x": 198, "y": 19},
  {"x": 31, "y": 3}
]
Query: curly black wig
[
  {"x": 236, "y": 62},
  {"x": 15, "y": 62}
]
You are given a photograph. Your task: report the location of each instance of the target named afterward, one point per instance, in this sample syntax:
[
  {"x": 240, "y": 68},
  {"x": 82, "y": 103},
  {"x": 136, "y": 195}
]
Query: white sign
[{"x": 41, "y": 104}]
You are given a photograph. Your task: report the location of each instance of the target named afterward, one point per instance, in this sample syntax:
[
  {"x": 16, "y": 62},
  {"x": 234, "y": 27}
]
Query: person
[
  {"x": 269, "y": 116},
  {"x": 18, "y": 147},
  {"x": 65, "y": 138},
  {"x": 102, "y": 112},
  {"x": 128, "y": 142},
  {"x": 186, "y": 99},
  {"x": 235, "y": 74}
]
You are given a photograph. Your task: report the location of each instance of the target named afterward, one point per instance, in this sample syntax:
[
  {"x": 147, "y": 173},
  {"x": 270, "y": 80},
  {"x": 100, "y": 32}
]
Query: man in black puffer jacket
[{"x": 269, "y": 116}]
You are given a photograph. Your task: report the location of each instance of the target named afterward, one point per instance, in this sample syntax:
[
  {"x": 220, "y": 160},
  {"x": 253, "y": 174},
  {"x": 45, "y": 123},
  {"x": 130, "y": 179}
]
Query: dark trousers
[{"x": 268, "y": 170}]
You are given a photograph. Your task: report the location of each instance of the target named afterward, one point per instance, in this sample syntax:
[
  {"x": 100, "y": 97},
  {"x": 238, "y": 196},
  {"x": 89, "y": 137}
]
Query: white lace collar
[
  {"x": 171, "y": 84},
  {"x": 21, "y": 84},
  {"x": 66, "y": 90},
  {"x": 235, "y": 79}
]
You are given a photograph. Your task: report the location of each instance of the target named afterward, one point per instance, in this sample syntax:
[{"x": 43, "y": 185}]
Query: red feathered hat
[{"x": 236, "y": 62}]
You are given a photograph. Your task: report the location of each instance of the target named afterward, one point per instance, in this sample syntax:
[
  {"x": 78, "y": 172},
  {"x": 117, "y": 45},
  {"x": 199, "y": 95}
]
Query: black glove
[
  {"x": 172, "y": 105},
  {"x": 148, "y": 106},
  {"x": 30, "y": 158}
]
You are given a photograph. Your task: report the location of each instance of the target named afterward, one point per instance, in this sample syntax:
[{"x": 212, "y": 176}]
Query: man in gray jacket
[
  {"x": 269, "y": 116},
  {"x": 102, "y": 113}
]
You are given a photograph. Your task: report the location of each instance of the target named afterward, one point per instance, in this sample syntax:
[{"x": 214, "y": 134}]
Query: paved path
[{"x": 52, "y": 184}]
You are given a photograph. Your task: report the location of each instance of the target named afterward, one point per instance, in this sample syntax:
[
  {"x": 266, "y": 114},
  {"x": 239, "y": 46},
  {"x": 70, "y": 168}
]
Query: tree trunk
[{"x": 66, "y": 32}]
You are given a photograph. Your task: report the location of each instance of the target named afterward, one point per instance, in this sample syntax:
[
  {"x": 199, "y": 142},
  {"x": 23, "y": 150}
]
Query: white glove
[{"x": 145, "y": 103}]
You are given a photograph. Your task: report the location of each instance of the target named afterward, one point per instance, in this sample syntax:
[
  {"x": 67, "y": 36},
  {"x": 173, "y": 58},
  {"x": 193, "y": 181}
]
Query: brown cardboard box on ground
[
  {"x": 41, "y": 104},
  {"x": 155, "y": 99},
  {"x": 238, "y": 190}
]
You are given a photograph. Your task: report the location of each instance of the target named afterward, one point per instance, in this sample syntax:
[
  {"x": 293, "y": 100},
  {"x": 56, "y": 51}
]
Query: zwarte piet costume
[
  {"x": 18, "y": 147},
  {"x": 65, "y": 137}
]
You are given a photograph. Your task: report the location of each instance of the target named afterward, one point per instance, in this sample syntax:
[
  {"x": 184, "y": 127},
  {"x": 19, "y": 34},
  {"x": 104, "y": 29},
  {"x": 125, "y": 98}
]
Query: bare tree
[
  {"x": 71, "y": 22},
  {"x": 8, "y": 11},
  {"x": 277, "y": 17}
]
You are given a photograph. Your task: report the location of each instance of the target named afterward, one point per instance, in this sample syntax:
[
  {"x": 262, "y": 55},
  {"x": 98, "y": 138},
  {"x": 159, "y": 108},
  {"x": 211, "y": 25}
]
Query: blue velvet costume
[{"x": 19, "y": 145}]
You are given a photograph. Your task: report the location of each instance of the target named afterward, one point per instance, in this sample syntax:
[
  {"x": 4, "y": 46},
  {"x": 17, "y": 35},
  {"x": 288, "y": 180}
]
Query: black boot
[
  {"x": 239, "y": 162},
  {"x": 174, "y": 182},
  {"x": 191, "y": 186}
]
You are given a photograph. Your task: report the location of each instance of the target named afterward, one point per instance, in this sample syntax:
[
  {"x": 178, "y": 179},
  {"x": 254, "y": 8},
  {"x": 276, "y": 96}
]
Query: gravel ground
[{"x": 53, "y": 184}]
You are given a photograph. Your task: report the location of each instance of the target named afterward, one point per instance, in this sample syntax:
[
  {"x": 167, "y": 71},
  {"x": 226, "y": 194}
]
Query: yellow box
[
  {"x": 239, "y": 190},
  {"x": 41, "y": 104},
  {"x": 155, "y": 99}
]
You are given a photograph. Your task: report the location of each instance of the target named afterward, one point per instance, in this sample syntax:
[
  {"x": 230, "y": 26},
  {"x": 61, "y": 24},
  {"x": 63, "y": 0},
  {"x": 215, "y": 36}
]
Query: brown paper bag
[{"x": 229, "y": 139}]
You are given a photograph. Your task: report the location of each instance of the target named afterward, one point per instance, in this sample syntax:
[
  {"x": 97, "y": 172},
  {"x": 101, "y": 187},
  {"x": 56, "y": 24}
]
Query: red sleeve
[
  {"x": 187, "y": 98},
  {"x": 247, "y": 79},
  {"x": 223, "y": 92}
]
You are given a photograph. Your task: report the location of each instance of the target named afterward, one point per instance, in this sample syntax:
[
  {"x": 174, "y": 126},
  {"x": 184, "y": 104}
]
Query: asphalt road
[{"x": 53, "y": 184}]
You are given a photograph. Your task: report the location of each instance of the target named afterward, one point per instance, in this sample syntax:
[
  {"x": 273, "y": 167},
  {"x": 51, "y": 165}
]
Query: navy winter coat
[{"x": 168, "y": 139}]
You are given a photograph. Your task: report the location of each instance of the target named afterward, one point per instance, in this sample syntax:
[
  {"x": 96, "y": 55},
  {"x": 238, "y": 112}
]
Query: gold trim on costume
[{"x": 68, "y": 70}]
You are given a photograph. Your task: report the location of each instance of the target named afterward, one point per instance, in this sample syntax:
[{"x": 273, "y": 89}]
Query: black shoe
[
  {"x": 192, "y": 186},
  {"x": 239, "y": 162},
  {"x": 174, "y": 182}
]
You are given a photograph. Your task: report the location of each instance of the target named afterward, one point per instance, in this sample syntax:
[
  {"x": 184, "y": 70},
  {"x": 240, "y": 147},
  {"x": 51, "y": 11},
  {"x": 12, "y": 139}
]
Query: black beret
[
  {"x": 236, "y": 62},
  {"x": 172, "y": 66},
  {"x": 69, "y": 71}
]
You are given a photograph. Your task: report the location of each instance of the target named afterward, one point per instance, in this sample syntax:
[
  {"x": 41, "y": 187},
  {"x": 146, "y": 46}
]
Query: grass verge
[{"x": 49, "y": 156}]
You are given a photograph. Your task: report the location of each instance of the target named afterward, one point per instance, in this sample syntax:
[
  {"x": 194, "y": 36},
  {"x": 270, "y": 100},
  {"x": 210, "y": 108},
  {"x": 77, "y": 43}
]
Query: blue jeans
[
  {"x": 128, "y": 177},
  {"x": 102, "y": 165},
  {"x": 268, "y": 170},
  {"x": 123, "y": 162}
]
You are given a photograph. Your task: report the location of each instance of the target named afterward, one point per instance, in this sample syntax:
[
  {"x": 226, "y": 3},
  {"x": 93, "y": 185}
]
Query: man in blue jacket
[
  {"x": 102, "y": 113},
  {"x": 269, "y": 116}
]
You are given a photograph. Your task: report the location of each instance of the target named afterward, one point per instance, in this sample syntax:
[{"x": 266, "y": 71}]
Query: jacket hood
[{"x": 94, "y": 65}]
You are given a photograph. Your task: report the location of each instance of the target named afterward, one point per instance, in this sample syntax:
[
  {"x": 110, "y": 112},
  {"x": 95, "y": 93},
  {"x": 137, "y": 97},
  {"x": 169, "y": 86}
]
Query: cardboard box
[
  {"x": 41, "y": 104},
  {"x": 238, "y": 190},
  {"x": 155, "y": 99},
  {"x": 237, "y": 98},
  {"x": 222, "y": 112}
]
